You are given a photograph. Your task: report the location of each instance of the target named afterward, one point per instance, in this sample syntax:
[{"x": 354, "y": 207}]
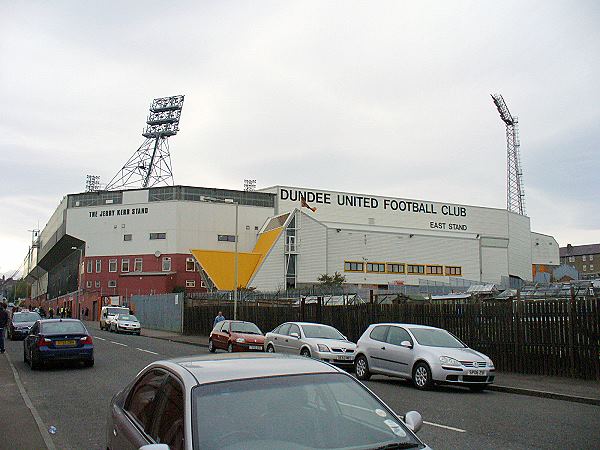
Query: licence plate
[
  {"x": 344, "y": 358},
  {"x": 256, "y": 347},
  {"x": 476, "y": 372},
  {"x": 64, "y": 343}
]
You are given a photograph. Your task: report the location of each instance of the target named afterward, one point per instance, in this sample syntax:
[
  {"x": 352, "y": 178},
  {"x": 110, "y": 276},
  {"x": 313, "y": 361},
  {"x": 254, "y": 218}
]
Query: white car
[
  {"x": 108, "y": 313},
  {"x": 312, "y": 340},
  {"x": 425, "y": 355},
  {"x": 125, "y": 323}
]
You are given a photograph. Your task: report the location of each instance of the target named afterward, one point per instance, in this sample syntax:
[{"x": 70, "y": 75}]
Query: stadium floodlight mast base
[{"x": 150, "y": 164}]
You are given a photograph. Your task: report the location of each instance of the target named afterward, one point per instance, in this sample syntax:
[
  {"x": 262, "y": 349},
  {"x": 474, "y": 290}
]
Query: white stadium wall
[
  {"x": 271, "y": 274},
  {"x": 544, "y": 250},
  {"x": 312, "y": 247}
]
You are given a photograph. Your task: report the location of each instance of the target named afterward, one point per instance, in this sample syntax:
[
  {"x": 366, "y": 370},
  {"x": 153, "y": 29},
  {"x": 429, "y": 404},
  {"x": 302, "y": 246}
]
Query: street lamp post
[{"x": 78, "y": 279}]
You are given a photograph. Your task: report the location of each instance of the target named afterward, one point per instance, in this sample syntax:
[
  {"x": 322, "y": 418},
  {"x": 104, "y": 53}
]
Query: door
[
  {"x": 168, "y": 426},
  {"x": 399, "y": 359},
  {"x": 280, "y": 337},
  {"x": 224, "y": 334},
  {"x": 376, "y": 347},
  {"x": 291, "y": 342},
  {"x": 133, "y": 423}
]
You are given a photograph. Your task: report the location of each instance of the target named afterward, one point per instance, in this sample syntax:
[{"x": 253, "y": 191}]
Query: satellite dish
[{"x": 157, "y": 253}]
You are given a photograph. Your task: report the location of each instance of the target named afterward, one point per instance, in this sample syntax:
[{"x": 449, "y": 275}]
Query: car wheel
[
  {"x": 211, "y": 346},
  {"x": 362, "y": 368},
  {"x": 35, "y": 365},
  {"x": 230, "y": 348},
  {"x": 421, "y": 376},
  {"x": 270, "y": 349},
  {"x": 89, "y": 363},
  {"x": 477, "y": 387},
  {"x": 305, "y": 352}
]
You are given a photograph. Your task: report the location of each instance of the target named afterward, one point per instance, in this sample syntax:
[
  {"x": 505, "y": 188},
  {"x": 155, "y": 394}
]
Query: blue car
[{"x": 58, "y": 340}]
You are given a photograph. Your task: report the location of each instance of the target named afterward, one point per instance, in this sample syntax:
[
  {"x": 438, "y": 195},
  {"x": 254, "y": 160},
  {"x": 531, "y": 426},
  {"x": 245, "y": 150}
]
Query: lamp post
[{"x": 78, "y": 279}]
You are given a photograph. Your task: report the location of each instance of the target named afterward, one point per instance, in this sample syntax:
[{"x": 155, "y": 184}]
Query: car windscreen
[
  {"x": 245, "y": 327},
  {"x": 128, "y": 317},
  {"x": 63, "y": 327},
  {"x": 26, "y": 317},
  {"x": 115, "y": 311},
  {"x": 307, "y": 411},
  {"x": 321, "y": 332},
  {"x": 435, "y": 338}
]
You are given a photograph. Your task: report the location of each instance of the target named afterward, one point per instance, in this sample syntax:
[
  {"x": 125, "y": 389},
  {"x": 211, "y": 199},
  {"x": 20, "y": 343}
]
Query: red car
[{"x": 236, "y": 336}]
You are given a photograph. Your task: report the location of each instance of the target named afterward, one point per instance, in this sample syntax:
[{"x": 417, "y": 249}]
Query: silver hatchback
[
  {"x": 313, "y": 340},
  {"x": 426, "y": 355}
]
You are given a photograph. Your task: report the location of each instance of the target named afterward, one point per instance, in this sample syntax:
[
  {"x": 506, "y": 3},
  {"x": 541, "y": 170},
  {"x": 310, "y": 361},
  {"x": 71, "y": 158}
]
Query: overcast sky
[{"x": 387, "y": 98}]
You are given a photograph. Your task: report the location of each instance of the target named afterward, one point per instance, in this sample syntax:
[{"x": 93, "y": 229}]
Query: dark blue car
[{"x": 58, "y": 340}]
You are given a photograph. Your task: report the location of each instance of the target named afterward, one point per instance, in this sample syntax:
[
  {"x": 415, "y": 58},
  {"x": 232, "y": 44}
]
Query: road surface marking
[
  {"x": 147, "y": 351},
  {"x": 99, "y": 338},
  {"x": 444, "y": 426},
  {"x": 38, "y": 420},
  {"x": 118, "y": 343}
]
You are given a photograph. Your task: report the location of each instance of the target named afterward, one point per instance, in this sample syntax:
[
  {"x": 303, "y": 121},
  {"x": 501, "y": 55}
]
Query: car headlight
[
  {"x": 323, "y": 348},
  {"x": 491, "y": 363},
  {"x": 240, "y": 340},
  {"x": 447, "y": 361}
]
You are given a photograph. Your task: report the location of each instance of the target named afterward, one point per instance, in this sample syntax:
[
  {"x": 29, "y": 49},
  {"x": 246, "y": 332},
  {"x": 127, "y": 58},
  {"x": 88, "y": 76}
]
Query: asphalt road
[{"x": 75, "y": 400}]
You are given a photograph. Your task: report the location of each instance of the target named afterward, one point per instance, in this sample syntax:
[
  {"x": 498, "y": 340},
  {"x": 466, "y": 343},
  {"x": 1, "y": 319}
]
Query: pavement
[{"x": 557, "y": 388}]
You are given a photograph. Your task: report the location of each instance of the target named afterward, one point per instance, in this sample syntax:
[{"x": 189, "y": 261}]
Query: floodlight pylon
[
  {"x": 515, "y": 193},
  {"x": 150, "y": 164}
]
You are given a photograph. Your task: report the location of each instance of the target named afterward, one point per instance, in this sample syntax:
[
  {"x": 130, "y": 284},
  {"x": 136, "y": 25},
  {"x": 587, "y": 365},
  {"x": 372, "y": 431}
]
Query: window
[
  {"x": 98, "y": 265},
  {"x": 415, "y": 268},
  {"x": 137, "y": 265},
  {"x": 352, "y": 266},
  {"x": 90, "y": 265},
  {"x": 395, "y": 268},
  {"x": 571, "y": 259},
  {"x": 168, "y": 426},
  {"x": 124, "y": 265},
  {"x": 202, "y": 284},
  {"x": 225, "y": 326},
  {"x": 584, "y": 267},
  {"x": 397, "y": 335},
  {"x": 379, "y": 333},
  {"x": 141, "y": 402},
  {"x": 591, "y": 267},
  {"x": 97, "y": 283},
  {"x": 112, "y": 283},
  {"x": 583, "y": 257},
  {"x": 226, "y": 238},
  {"x": 434, "y": 270},
  {"x": 190, "y": 283},
  {"x": 219, "y": 326},
  {"x": 591, "y": 257},
  {"x": 376, "y": 267},
  {"x": 112, "y": 265},
  {"x": 453, "y": 270},
  {"x": 189, "y": 265},
  {"x": 284, "y": 328},
  {"x": 166, "y": 264},
  {"x": 154, "y": 236},
  {"x": 128, "y": 237},
  {"x": 88, "y": 284},
  {"x": 294, "y": 329}
]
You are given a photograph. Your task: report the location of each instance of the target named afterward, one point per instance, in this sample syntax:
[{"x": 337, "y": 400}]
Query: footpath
[
  {"x": 558, "y": 388},
  {"x": 17, "y": 422}
]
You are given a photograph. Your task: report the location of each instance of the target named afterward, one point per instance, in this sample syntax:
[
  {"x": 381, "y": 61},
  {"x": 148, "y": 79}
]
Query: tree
[{"x": 337, "y": 279}]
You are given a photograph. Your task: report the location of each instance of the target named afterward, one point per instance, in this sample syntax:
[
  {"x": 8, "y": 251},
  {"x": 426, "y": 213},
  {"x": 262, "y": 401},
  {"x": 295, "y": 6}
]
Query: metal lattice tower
[
  {"x": 150, "y": 165},
  {"x": 515, "y": 194}
]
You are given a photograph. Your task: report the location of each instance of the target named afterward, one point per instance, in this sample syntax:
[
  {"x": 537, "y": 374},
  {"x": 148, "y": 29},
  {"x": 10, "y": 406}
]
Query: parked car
[
  {"x": 58, "y": 340},
  {"x": 21, "y": 323},
  {"x": 254, "y": 402},
  {"x": 108, "y": 313},
  {"x": 426, "y": 355},
  {"x": 125, "y": 323},
  {"x": 313, "y": 340},
  {"x": 236, "y": 336}
]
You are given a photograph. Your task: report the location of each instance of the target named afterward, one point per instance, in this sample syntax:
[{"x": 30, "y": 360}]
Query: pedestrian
[
  {"x": 220, "y": 318},
  {"x": 51, "y": 312},
  {"x": 87, "y": 312},
  {"x": 3, "y": 322}
]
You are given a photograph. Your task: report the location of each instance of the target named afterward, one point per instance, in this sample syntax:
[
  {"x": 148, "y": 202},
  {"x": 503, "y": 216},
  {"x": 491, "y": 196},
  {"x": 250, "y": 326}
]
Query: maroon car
[{"x": 236, "y": 336}]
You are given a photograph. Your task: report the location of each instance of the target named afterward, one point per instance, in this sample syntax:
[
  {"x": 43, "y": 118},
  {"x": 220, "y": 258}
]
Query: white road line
[
  {"x": 444, "y": 426},
  {"x": 99, "y": 338},
  {"x": 147, "y": 351},
  {"x": 38, "y": 420},
  {"x": 118, "y": 343}
]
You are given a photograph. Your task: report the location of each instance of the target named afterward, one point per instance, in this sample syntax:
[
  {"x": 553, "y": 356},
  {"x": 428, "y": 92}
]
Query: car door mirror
[
  {"x": 406, "y": 344},
  {"x": 155, "y": 447},
  {"x": 295, "y": 335},
  {"x": 413, "y": 421}
]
